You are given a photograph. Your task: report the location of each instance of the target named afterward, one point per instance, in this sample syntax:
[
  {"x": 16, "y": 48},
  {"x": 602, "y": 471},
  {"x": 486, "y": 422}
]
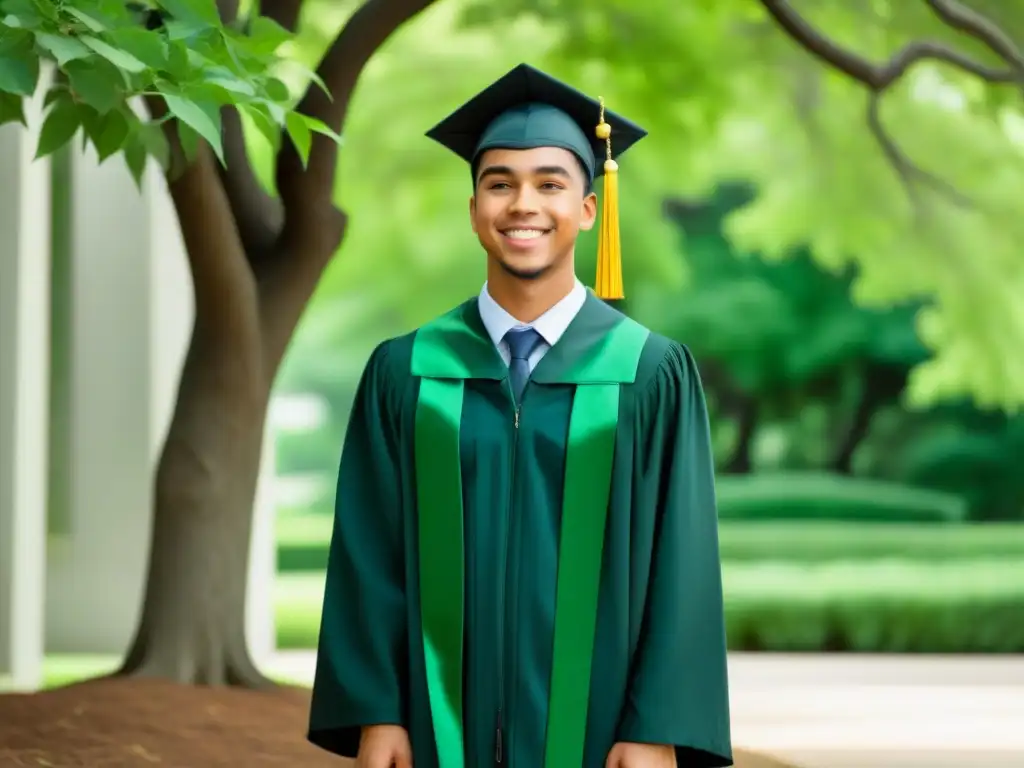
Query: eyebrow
[{"x": 542, "y": 170}]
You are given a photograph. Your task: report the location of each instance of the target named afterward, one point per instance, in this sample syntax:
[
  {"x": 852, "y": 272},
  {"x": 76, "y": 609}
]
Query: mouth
[{"x": 523, "y": 236}]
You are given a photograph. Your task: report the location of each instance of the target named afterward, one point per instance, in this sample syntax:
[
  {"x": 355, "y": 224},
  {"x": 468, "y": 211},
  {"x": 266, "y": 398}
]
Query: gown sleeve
[
  {"x": 678, "y": 693},
  {"x": 360, "y": 677}
]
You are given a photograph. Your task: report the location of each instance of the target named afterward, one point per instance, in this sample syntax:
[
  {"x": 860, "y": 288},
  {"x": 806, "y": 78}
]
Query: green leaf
[
  {"x": 300, "y": 135},
  {"x": 147, "y": 47},
  {"x": 60, "y": 125},
  {"x": 312, "y": 75},
  {"x": 135, "y": 158},
  {"x": 224, "y": 78},
  {"x": 154, "y": 140},
  {"x": 192, "y": 10},
  {"x": 11, "y": 109},
  {"x": 89, "y": 21},
  {"x": 276, "y": 90},
  {"x": 120, "y": 59},
  {"x": 177, "y": 60},
  {"x": 202, "y": 118},
  {"x": 266, "y": 35},
  {"x": 183, "y": 30},
  {"x": 318, "y": 126},
  {"x": 19, "y": 64},
  {"x": 97, "y": 83},
  {"x": 109, "y": 134},
  {"x": 263, "y": 123},
  {"x": 189, "y": 141},
  {"x": 63, "y": 47},
  {"x": 25, "y": 14},
  {"x": 276, "y": 111}
]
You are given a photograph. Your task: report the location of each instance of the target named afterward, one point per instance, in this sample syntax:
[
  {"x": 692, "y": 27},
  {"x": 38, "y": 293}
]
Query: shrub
[
  {"x": 816, "y": 496},
  {"x": 813, "y": 541}
]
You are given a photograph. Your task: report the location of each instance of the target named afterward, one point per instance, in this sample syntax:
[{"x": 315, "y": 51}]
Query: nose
[{"x": 524, "y": 201}]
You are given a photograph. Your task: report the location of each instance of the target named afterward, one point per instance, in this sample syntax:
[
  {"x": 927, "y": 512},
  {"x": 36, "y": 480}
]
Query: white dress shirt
[{"x": 551, "y": 325}]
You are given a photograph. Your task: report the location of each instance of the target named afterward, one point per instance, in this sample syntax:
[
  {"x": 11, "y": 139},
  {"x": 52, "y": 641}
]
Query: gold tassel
[{"x": 608, "y": 284}]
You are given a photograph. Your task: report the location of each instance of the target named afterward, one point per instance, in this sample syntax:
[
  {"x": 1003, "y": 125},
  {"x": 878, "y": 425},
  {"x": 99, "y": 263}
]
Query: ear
[
  {"x": 472, "y": 213},
  {"x": 589, "y": 212}
]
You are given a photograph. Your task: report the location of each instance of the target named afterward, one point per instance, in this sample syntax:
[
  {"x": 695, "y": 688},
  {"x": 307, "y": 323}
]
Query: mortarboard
[{"x": 527, "y": 109}]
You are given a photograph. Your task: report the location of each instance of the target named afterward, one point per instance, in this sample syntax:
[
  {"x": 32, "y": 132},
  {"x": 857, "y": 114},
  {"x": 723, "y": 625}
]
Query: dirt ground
[{"x": 116, "y": 723}]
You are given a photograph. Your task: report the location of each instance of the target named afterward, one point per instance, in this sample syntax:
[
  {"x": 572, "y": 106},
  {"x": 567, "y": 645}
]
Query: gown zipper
[{"x": 499, "y": 752}]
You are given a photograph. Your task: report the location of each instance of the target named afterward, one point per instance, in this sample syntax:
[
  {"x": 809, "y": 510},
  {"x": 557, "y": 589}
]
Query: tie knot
[{"x": 522, "y": 342}]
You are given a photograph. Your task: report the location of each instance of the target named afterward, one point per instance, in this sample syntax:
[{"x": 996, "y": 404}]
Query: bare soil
[{"x": 141, "y": 723}]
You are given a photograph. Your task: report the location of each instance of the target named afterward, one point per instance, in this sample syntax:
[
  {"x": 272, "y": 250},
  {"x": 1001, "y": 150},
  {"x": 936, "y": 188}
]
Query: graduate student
[{"x": 524, "y": 569}]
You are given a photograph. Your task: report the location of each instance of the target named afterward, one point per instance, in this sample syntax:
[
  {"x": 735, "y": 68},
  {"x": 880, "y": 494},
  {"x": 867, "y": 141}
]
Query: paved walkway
[{"x": 823, "y": 711}]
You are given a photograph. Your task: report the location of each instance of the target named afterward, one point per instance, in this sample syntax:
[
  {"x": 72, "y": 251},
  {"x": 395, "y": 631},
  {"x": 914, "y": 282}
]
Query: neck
[{"x": 526, "y": 300}]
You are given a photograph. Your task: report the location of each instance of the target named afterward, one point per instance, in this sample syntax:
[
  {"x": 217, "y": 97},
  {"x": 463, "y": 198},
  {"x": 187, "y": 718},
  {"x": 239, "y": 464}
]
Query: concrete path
[{"x": 838, "y": 711}]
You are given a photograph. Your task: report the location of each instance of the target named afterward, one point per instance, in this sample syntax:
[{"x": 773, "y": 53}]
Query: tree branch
[
  {"x": 284, "y": 12},
  {"x": 970, "y": 22},
  {"x": 222, "y": 282},
  {"x": 910, "y": 174},
  {"x": 313, "y": 226},
  {"x": 879, "y": 77},
  {"x": 311, "y": 221},
  {"x": 257, "y": 214}
]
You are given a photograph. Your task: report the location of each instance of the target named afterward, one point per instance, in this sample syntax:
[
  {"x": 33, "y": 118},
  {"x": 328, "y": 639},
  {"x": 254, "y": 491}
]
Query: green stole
[{"x": 446, "y": 352}]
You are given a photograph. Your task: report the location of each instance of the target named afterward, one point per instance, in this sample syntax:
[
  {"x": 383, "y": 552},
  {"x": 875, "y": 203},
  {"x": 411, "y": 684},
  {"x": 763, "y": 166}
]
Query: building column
[{"x": 24, "y": 398}]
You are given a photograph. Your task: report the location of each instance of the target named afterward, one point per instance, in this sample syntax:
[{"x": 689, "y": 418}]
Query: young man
[{"x": 524, "y": 570}]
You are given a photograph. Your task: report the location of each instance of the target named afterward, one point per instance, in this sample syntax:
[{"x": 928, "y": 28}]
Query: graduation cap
[{"x": 527, "y": 109}]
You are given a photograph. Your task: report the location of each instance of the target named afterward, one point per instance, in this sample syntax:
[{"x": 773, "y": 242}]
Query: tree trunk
[
  {"x": 255, "y": 262},
  {"x": 881, "y": 384},
  {"x": 193, "y": 619},
  {"x": 741, "y": 462}
]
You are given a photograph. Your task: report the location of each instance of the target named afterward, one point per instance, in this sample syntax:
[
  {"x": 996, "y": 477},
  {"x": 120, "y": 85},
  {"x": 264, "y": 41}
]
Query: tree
[
  {"x": 255, "y": 258},
  {"x": 773, "y": 336}
]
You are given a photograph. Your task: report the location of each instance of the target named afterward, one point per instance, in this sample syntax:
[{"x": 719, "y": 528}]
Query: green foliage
[
  {"x": 978, "y": 461},
  {"x": 106, "y": 54},
  {"x": 822, "y": 497},
  {"x": 971, "y": 606}
]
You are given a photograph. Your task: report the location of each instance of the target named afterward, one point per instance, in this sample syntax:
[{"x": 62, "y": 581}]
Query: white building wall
[{"x": 24, "y": 393}]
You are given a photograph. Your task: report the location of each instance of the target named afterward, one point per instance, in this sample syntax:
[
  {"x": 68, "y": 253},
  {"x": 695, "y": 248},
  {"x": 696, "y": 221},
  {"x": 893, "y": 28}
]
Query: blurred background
[{"x": 851, "y": 295}]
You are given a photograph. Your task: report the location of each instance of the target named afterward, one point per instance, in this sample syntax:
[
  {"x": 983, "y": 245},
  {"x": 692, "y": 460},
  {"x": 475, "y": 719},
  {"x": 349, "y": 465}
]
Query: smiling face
[{"x": 529, "y": 207}]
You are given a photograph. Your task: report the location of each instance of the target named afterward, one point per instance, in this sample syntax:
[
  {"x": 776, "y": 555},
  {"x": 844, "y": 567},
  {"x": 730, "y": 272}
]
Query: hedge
[
  {"x": 303, "y": 541},
  {"x": 826, "y": 541},
  {"x": 884, "y": 606},
  {"x": 817, "y": 496}
]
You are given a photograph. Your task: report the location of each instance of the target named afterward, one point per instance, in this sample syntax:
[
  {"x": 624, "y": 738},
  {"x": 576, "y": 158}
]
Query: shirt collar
[{"x": 551, "y": 325}]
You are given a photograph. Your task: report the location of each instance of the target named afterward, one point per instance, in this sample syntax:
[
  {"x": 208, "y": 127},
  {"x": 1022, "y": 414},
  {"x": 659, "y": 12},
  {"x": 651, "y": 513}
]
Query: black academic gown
[{"x": 659, "y": 656}]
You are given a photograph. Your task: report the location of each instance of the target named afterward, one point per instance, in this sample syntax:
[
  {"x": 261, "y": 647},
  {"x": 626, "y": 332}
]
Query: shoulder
[
  {"x": 391, "y": 359},
  {"x": 665, "y": 361}
]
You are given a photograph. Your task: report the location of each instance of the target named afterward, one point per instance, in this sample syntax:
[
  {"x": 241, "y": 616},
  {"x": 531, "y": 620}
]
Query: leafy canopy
[{"x": 105, "y": 54}]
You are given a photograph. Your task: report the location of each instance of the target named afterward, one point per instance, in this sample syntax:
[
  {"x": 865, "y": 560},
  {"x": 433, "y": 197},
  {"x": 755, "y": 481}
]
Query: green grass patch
[
  {"x": 817, "y": 496},
  {"x": 872, "y": 606}
]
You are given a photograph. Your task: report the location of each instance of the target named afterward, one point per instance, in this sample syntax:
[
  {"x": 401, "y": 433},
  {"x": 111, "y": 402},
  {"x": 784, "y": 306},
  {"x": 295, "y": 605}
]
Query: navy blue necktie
[{"x": 521, "y": 344}]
